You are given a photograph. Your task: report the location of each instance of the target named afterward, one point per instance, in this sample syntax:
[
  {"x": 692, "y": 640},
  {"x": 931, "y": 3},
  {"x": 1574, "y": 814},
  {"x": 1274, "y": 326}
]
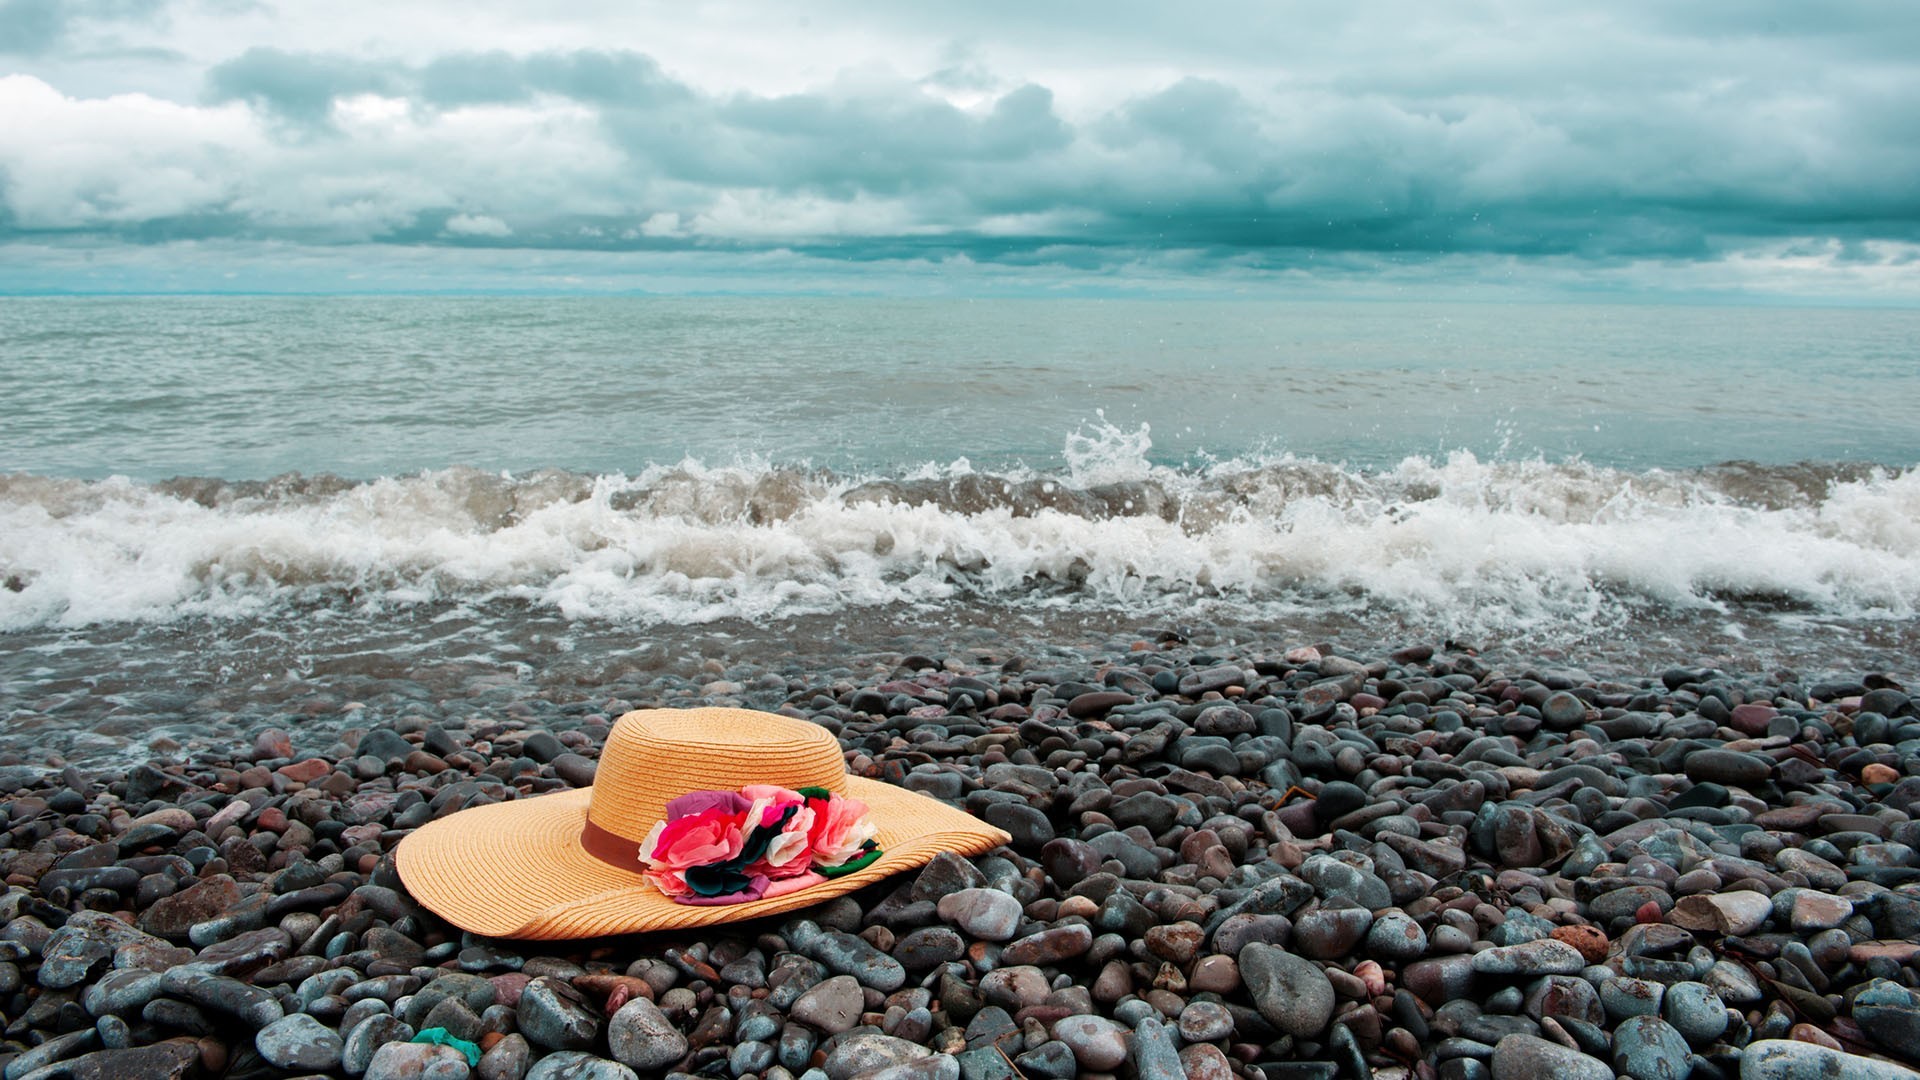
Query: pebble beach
[
  {"x": 1406, "y": 517},
  {"x": 1287, "y": 860}
]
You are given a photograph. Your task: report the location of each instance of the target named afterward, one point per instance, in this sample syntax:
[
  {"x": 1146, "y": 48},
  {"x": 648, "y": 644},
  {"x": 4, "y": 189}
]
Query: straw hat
[{"x": 568, "y": 865}]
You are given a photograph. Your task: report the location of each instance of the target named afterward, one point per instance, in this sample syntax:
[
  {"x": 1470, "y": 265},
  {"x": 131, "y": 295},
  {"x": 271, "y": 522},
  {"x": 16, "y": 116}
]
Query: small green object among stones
[{"x": 439, "y": 1037}]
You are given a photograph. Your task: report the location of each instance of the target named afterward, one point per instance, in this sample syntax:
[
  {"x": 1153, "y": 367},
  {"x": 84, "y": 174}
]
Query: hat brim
[{"x": 518, "y": 869}]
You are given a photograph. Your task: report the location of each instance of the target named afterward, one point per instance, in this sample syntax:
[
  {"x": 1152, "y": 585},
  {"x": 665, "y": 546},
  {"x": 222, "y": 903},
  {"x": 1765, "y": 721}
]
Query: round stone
[
  {"x": 418, "y": 1061},
  {"x": 1695, "y": 1011},
  {"x": 986, "y": 914},
  {"x": 833, "y": 1006},
  {"x": 1205, "y": 1022},
  {"x": 642, "y": 1038},
  {"x": 1396, "y": 937},
  {"x": 1098, "y": 1044},
  {"x": 1648, "y": 1048},
  {"x": 299, "y": 1043}
]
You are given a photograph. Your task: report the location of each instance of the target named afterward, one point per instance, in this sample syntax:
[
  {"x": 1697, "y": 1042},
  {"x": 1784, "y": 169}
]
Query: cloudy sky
[{"x": 1759, "y": 149}]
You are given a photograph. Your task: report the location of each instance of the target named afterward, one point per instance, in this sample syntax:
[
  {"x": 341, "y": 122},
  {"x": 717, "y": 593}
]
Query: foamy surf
[{"x": 1476, "y": 545}]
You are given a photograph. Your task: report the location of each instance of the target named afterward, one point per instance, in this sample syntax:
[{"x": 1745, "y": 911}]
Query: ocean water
[{"x": 221, "y": 492}]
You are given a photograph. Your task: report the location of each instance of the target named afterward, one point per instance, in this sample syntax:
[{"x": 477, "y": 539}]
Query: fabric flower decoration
[
  {"x": 724, "y": 847},
  {"x": 842, "y": 838}
]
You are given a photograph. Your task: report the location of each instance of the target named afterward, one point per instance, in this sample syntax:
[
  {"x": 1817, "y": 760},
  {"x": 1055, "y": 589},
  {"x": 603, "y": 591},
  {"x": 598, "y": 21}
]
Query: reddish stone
[
  {"x": 1752, "y": 718},
  {"x": 1807, "y": 1033},
  {"x": 175, "y": 915},
  {"x": 306, "y": 772},
  {"x": 272, "y": 743},
  {"x": 1591, "y": 942},
  {"x": 506, "y": 988},
  {"x": 1877, "y": 773}
]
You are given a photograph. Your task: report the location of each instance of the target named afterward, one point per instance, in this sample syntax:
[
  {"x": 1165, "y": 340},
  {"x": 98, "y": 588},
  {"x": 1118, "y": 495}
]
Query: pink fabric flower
[
  {"x": 788, "y": 854},
  {"x": 840, "y": 827},
  {"x": 709, "y": 832},
  {"x": 702, "y": 828}
]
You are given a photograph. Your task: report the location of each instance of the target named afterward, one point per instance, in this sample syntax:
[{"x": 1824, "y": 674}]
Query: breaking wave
[{"x": 1481, "y": 545}]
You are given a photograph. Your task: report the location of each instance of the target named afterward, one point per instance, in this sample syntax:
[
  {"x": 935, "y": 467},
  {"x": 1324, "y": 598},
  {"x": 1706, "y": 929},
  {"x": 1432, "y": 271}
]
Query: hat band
[{"x": 611, "y": 848}]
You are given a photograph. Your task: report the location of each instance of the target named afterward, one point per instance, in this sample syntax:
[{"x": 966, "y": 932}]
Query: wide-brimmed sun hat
[{"x": 741, "y": 813}]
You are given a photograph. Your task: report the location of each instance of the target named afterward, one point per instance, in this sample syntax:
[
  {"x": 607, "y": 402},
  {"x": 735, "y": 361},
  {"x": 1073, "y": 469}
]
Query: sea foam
[{"x": 1478, "y": 545}]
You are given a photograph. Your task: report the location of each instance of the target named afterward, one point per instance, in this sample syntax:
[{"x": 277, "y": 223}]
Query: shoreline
[{"x": 1397, "y": 865}]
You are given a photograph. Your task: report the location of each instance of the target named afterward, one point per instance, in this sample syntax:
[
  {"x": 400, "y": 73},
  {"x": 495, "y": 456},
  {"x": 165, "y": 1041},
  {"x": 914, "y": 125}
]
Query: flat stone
[
  {"x": 168, "y": 1060},
  {"x": 174, "y": 916},
  {"x": 122, "y": 992},
  {"x": 1052, "y": 1060},
  {"x": 1098, "y": 1044},
  {"x": 1328, "y": 933},
  {"x": 246, "y": 953},
  {"x": 986, "y": 914},
  {"x": 256, "y": 1007},
  {"x": 1736, "y": 913},
  {"x": 833, "y": 1005},
  {"x": 1529, "y": 1057},
  {"x": 1627, "y": 902},
  {"x": 554, "y": 1015},
  {"x": 418, "y": 1061},
  {"x": 1290, "y": 991},
  {"x": 55, "y": 1049},
  {"x": 367, "y": 1037},
  {"x": 1730, "y": 767},
  {"x": 929, "y": 947},
  {"x": 1050, "y": 946},
  {"x": 1543, "y": 957},
  {"x": 856, "y": 1055},
  {"x": 846, "y": 954},
  {"x": 1786, "y": 1059},
  {"x": 299, "y": 1043},
  {"x": 576, "y": 1065},
  {"x": 1813, "y": 910}
]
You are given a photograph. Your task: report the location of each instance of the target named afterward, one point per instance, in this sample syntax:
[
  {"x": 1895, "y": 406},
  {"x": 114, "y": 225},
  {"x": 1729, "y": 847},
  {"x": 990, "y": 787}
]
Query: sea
[{"x": 218, "y": 509}]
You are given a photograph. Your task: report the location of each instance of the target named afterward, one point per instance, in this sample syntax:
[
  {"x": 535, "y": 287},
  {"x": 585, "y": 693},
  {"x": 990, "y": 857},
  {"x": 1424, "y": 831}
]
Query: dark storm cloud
[
  {"x": 615, "y": 78},
  {"x": 297, "y": 87},
  {"x": 1199, "y": 162},
  {"x": 37, "y": 27},
  {"x": 1248, "y": 138}
]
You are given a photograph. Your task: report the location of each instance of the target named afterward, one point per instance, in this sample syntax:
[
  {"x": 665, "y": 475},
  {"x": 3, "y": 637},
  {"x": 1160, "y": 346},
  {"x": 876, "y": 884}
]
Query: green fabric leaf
[{"x": 860, "y": 862}]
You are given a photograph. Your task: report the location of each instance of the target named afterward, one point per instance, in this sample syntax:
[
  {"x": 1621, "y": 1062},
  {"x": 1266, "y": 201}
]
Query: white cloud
[
  {"x": 477, "y": 225},
  {"x": 1632, "y": 135},
  {"x": 72, "y": 163}
]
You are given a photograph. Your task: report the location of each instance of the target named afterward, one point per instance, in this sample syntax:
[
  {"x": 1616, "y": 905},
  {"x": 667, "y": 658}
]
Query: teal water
[
  {"x": 246, "y": 487},
  {"x": 245, "y": 387}
]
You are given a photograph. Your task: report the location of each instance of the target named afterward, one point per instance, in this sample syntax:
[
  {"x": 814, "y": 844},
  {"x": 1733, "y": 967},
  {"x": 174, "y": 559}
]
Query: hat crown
[{"x": 655, "y": 756}]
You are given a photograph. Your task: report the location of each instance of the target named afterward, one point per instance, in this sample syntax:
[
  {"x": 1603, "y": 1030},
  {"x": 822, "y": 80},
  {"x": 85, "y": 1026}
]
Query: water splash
[{"x": 1455, "y": 542}]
